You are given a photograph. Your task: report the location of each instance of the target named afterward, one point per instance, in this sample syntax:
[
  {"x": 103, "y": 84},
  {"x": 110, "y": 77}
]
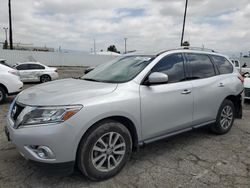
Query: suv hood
[{"x": 64, "y": 92}]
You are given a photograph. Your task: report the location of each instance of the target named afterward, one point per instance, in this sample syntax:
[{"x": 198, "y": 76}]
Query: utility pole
[
  {"x": 10, "y": 26},
  {"x": 184, "y": 22},
  {"x": 94, "y": 47},
  {"x": 125, "y": 43}
]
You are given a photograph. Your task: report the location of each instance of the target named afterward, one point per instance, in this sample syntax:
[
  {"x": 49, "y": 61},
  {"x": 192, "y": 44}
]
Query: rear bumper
[
  {"x": 54, "y": 76},
  {"x": 15, "y": 88}
]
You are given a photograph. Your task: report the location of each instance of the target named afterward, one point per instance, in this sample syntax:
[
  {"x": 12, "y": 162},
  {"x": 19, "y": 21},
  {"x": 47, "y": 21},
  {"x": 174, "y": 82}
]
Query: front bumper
[{"x": 58, "y": 137}]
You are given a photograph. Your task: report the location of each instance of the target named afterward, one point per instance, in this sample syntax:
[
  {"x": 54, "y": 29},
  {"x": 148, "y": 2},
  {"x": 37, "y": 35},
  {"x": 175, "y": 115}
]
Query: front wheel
[
  {"x": 225, "y": 118},
  {"x": 104, "y": 151}
]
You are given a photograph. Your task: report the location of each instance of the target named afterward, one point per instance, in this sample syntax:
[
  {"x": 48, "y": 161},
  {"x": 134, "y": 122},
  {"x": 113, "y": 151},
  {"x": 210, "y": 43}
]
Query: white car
[
  {"x": 243, "y": 69},
  {"x": 36, "y": 72},
  {"x": 10, "y": 83},
  {"x": 247, "y": 86}
]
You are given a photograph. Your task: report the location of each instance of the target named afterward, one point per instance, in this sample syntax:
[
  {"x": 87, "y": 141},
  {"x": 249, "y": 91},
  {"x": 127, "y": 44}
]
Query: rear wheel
[
  {"x": 225, "y": 118},
  {"x": 45, "y": 78},
  {"x": 104, "y": 151},
  {"x": 2, "y": 95}
]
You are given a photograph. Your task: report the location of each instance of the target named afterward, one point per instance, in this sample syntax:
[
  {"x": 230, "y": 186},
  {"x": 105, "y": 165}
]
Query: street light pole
[
  {"x": 94, "y": 47},
  {"x": 10, "y": 26},
  {"x": 184, "y": 22},
  {"x": 125, "y": 43}
]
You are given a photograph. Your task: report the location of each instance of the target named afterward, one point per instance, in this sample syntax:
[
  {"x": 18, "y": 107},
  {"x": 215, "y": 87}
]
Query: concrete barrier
[{"x": 55, "y": 58}]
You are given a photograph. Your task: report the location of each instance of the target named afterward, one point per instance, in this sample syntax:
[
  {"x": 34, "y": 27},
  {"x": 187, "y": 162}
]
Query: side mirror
[{"x": 157, "y": 78}]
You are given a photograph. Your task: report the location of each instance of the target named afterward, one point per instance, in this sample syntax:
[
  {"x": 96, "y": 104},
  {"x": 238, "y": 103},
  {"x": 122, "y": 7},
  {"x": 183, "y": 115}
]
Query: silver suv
[{"x": 95, "y": 122}]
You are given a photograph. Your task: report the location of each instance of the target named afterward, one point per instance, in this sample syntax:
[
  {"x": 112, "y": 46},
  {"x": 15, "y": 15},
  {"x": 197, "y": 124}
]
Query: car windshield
[{"x": 119, "y": 70}]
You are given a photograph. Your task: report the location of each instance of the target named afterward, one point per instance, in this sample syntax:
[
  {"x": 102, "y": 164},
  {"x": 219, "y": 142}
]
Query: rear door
[
  {"x": 35, "y": 71},
  {"x": 167, "y": 107},
  {"x": 208, "y": 87},
  {"x": 23, "y": 72}
]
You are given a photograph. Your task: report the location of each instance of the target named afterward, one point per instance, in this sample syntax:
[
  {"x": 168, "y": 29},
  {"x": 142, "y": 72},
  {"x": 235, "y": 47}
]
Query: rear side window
[
  {"x": 22, "y": 67},
  {"x": 35, "y": 66},
  {"x": 173, "y": 66},
  {"x": 199, "y": 66},
  {"x": 224, "y": 66}
]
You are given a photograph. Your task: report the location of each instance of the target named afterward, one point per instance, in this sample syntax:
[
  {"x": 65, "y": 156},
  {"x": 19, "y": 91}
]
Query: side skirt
[{"x": 150, "y": 140}]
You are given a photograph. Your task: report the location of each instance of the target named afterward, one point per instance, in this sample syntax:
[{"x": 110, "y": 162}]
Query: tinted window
[
  {"x": 223, "y": 64},
  {"x": 199, "y": 66},
  {"x": 173, "y": 66},
  {"x": 22, "y": 67},
  {"x": 35, "y": 66}
]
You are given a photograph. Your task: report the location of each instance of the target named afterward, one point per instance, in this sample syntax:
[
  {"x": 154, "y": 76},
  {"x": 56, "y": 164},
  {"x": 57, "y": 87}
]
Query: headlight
[{"x": 46, "y": 115}]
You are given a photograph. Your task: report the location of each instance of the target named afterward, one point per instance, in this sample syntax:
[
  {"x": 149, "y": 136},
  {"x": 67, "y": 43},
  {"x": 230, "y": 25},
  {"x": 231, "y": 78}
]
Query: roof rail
[
  {"x": 195, "y": 48},
  {"x": 188, "y": 48}
]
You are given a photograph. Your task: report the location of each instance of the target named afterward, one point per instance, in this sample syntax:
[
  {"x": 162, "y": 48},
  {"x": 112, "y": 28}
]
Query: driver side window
[{"x": 173, "y": 66}]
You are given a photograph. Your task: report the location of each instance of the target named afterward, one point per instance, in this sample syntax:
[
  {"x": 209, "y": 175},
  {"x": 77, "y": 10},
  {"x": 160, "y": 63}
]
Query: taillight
[
  {"x": 13, "y": 72},
  {"x": 241, "y": 78}
]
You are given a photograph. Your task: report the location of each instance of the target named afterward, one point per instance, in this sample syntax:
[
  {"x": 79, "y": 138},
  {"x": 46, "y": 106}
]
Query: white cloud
[{"x": 74, "y": 24}]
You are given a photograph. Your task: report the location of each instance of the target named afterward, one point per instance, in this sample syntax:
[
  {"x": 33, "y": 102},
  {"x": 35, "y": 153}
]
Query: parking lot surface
[{"x": 193, "y": 159}]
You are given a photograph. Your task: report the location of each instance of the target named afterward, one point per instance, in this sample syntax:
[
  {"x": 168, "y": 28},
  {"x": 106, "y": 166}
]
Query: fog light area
[{"x": 42, "y": 152}]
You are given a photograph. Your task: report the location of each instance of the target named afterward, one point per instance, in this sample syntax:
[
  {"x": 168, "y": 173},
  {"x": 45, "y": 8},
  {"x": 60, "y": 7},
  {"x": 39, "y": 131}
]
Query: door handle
[
  {"x": 221, "y": 85},
  {"x": 185, "y": 92}
]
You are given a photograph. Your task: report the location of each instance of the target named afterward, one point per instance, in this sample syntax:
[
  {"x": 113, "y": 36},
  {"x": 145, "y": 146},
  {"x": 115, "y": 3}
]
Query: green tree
[{"x": 112, "y": 48}]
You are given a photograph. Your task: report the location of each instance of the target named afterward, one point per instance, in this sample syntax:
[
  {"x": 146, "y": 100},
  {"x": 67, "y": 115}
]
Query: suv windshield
[{"x": 119, "y": 70}]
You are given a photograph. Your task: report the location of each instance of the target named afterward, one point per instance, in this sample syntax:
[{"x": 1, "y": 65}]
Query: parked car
[
  {"x": 87, "y": 70},
  {"x": 10, "y": 83},
  {"x": 247, "y": 86},
  {"x": 94, "y": 122},
  {"x": 36, "y": 72},
  {"x": 243, "y": 69}
]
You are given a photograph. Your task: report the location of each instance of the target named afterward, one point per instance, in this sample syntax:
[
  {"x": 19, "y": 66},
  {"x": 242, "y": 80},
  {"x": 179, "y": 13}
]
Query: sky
[{"x": 149, "y": 25}]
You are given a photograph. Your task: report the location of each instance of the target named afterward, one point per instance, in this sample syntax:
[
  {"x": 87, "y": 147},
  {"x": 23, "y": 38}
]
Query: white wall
[{"x": 55, "y": 58}]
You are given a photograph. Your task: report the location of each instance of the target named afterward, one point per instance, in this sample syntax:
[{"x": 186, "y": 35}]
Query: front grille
[
  {"x": 16, "y": 110},
  {"x": 247, "y": 92}
]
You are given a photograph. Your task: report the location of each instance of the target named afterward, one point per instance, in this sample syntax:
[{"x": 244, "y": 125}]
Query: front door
[{"x": 166, "y": 108}]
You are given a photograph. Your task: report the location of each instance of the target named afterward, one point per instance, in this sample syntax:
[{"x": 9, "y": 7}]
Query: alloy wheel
[
  {"x": 108, "y": 151},
  {"x": 226, "y": 117}
]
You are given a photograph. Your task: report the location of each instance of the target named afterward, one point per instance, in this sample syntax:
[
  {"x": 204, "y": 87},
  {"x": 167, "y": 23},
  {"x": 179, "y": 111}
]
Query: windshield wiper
[{"x": 90, "y": 79}]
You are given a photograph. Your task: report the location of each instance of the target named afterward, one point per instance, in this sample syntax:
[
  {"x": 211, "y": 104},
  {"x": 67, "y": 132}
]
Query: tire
[
  {"x": 225, "y": 118},
  {"x": 2, "y": 95},
  {"x": 91, "y": 147},
  {"x": 45, "y": 78}
]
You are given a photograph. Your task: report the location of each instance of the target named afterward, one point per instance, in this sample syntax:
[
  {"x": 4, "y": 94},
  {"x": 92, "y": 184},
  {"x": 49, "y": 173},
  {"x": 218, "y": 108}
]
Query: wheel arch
[
  {"x": 5, "y": 88},
  {"x": 121, "y": 119},
  {"x": 237, "y": 101}
]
